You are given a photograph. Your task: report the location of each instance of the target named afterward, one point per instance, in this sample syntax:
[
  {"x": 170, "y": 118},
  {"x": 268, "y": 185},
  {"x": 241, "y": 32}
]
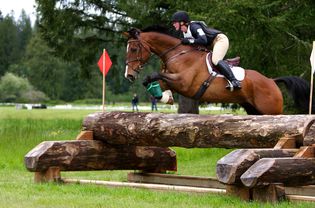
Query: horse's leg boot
[
  {"x": 167, "y": 97},
  {"x": 227, "y": 72}
]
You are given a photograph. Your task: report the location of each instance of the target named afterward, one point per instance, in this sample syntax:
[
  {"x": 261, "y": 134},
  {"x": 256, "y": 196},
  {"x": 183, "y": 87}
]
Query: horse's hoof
[{"x": 170, "y": 100}]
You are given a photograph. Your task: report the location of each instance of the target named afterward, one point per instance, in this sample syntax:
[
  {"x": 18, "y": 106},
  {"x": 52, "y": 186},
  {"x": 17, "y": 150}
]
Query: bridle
[{"x": 139, "y": 55}]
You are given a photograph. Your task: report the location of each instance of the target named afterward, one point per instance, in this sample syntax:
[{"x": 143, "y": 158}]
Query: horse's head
[{"x": 138, "y": 53}]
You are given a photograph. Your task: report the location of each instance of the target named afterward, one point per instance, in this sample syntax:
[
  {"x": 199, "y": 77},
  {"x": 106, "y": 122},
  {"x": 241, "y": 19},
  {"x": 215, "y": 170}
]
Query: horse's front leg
[
  {"x": 158, "y": 82},
  {"x": 170, "y": 79},
  {"x": 167, "y": 94}
]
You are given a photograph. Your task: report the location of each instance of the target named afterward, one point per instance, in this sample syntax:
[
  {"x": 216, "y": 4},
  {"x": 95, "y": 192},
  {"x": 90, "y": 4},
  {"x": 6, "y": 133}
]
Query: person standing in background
[
  {"x": 153, "y": 103},
  {"x": 134, "y": 102}
]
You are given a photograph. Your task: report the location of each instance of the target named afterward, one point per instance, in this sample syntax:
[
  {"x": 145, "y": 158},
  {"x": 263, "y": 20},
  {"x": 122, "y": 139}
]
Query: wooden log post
[
  {"x": 188, "y": 130},
  {"x": 239, "y": 191},
  {"x": 85, "y": 135},
  {"x": 289, "y": 171},
  {"x": 269, "y": 193},
  {"x": 306, "y": 152},
  {"x": 52, "y": 174},
  {"x": 79, "y": 155},
  {"x": 288, "y": 142},
  {"x": 230, "y": 168}
]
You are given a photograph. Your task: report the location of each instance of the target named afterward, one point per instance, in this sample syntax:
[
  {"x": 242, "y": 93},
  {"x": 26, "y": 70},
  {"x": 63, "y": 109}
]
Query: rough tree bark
[
  {"x": 289, "y": 171},
  {"x": 96, "y": 155},
  {"x": 233, "y": 165},
  {"x": 188, "y": 130}
]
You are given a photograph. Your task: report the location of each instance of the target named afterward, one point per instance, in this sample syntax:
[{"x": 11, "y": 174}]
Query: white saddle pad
[{"x": 238, "y": 72}]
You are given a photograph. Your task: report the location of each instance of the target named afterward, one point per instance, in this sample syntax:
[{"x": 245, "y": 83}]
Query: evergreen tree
[
  {"x": 9, "y": 44},
  {"x": 24, "y": 31}
]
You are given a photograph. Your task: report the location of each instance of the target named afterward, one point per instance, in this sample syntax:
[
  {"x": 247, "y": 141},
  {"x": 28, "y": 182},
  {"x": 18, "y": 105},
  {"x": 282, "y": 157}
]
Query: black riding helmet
[{"x": 180, "y": 16}]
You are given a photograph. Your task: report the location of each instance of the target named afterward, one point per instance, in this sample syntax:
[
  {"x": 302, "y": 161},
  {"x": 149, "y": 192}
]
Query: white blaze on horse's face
[{"x": 126, "y": 69}]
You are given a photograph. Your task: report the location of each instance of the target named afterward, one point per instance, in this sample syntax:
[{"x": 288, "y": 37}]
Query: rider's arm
[{"x": 199, "y": 35}]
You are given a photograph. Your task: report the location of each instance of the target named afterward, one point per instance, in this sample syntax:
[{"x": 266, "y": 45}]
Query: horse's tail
[{"x": 298, "y": 89}]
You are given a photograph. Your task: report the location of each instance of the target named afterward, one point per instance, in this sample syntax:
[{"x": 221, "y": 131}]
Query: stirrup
[{"x": 232, "y": 87}]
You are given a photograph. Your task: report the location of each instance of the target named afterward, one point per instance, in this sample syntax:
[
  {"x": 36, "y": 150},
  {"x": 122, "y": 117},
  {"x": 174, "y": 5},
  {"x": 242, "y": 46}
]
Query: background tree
[
  {"x": 25, "y": 32},
  {"x": 17, "y": 89},
  {"x": 14, "y": 37},
  {"x": 9, "y": 46}
]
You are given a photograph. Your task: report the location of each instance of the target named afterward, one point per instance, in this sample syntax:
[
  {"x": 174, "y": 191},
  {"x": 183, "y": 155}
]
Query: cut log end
[{"x": 250, "y": 177}]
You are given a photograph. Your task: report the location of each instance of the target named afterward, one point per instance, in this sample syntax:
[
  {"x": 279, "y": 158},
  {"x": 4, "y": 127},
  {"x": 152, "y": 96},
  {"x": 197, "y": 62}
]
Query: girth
[{"x": 204, "y": 86}]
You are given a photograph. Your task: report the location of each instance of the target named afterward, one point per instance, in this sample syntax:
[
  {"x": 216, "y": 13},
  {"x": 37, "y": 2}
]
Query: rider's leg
[
  {"x": 227, "y": 72},
  {"x": 220, "y": 47}
]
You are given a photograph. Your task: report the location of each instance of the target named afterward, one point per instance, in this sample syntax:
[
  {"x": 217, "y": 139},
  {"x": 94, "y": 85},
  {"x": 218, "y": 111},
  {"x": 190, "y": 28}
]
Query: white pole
[
  {"x": 312, "y": 59},
  {"x": 311, "y": 96},
  {"x": 104, "y": 52}
]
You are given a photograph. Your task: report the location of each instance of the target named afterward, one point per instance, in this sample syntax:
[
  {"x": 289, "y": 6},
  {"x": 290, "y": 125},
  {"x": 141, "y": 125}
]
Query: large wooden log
[
  {"x": 96, "y": 155},
  {"x": 233, "y": 165},
  {"x": 289, "y": 171},
  {"x": 188, "y": 130}
]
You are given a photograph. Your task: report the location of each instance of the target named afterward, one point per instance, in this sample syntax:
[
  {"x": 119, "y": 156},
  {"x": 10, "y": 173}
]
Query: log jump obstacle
[{"x": 276, "y": 160}]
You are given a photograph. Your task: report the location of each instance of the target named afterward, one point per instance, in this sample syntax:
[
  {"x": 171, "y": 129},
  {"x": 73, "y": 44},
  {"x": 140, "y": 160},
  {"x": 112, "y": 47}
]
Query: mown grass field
[{"x": 22, "y": 130}]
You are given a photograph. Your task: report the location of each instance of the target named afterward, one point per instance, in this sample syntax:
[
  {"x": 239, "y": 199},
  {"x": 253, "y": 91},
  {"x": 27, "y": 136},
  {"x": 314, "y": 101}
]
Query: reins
[
  {"x": 142, "y": 62},
  {"x": 168, "y": 50}
]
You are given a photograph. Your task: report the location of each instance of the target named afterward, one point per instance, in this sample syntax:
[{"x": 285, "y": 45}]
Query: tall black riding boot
[{"x": 227, "y": 72}]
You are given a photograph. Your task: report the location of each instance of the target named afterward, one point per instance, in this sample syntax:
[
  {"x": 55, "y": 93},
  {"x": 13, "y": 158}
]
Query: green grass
[{"x": 22, "y": 130}]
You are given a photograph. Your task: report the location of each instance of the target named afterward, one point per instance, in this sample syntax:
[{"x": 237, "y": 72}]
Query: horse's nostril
[{"x": 130, "y": 78}]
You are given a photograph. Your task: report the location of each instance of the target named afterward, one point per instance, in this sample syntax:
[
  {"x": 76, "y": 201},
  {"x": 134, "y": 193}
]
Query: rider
[{"x": 196, "y": 32}]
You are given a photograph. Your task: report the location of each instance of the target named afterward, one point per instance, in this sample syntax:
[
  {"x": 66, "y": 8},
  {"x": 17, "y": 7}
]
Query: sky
[{"x": 6, "y": 6}]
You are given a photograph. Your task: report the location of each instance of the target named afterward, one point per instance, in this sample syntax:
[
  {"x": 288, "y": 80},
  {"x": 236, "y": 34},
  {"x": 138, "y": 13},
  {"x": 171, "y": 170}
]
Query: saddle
[{"x": 232, "y": 61}]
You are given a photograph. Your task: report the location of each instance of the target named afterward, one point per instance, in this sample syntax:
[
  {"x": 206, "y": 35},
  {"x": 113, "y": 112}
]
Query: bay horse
[{"x": 185, "y": 70}]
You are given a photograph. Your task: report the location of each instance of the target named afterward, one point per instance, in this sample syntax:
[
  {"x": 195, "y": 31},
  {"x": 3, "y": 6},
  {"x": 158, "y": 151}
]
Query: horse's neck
[{"x": 160, "y": 43}]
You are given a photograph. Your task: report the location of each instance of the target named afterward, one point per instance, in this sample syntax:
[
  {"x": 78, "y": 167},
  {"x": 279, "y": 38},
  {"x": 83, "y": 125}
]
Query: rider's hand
[{"x": 185, "y": 41}]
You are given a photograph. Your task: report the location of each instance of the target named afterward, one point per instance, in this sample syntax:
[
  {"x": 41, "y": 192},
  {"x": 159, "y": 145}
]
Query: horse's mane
[{"x": 161, "y": 29}]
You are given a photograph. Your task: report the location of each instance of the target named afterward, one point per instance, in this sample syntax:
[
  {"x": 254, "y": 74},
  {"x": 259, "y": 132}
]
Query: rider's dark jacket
[{"x": 200, "y": 33}]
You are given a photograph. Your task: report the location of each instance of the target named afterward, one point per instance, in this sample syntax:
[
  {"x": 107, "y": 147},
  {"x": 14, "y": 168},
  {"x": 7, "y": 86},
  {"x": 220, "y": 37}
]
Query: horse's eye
[{"x": 133, "y": 49}]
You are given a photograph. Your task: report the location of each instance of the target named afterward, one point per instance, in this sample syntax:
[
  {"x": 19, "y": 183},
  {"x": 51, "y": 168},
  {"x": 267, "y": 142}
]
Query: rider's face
[
  {"x": 176, "y": 25},
  {"x": 180, "y": 26}
]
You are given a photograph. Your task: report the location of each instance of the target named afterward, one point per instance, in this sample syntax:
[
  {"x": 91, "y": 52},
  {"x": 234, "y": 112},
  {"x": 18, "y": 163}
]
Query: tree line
[{"x": 58, "y": 55}]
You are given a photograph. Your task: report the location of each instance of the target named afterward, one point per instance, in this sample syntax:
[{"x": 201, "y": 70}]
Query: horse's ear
[
  {"x": 126, "y": 34},
  {"x": 134, "y": 33}
]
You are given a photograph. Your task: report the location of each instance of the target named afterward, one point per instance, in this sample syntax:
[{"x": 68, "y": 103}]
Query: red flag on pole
[{"x": 108, "y": 63}]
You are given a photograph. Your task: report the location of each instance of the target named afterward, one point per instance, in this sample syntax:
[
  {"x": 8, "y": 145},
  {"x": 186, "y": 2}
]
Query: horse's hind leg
[
  {"x": 268, "y": 101},
  {"x": 263, "y": 94},
  {"x": 250, "y": 109}
]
